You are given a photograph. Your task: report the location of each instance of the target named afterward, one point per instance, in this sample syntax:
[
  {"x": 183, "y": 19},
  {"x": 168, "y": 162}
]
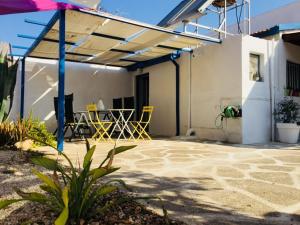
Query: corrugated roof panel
[
  {"x": 181, "y": 42},
  {"x": 139, "y": 57},
  {"x": 81, "y": 23},
  {"x": 118, "y": 29},
  {"x": 70, "y": 36},
  {"x": 106, "y": 39},
  {"x": 88, "y": 51},
  {"x": 75, "y": 57},
  {"x": 99, "y": 43},
  {"x": 43, "y": 55},
  {"x": 108, "y": 56},
  {"x": 47, "y": 47},
  {"x": 122, "y": 63},
  {"x": 162, "y": 50},
  {"x": 151, "y": 37}
]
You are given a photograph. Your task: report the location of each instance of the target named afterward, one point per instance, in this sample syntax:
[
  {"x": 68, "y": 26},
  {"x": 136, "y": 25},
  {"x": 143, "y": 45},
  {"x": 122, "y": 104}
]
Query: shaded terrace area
[{"x": 102, "y": 39}]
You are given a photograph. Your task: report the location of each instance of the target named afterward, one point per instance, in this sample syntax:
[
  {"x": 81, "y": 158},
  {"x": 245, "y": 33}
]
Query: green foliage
[
  {"x": 71, "y": 192},
  {"x": 13, "y": 132},
  {"x": 287, "y": 111},
  {"x": 8, "y": 76}
]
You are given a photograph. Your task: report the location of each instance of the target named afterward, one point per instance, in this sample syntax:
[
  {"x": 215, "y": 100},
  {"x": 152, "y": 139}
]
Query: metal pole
[
  {"x": 225, "y": 16},
  {"x": 22, "y": 88},
  {"x": 61, "y": 82},
  {"x": 249, "y": 17}
]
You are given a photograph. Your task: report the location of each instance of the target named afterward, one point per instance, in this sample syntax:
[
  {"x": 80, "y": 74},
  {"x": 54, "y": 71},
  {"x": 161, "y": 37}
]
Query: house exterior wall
[
  {"x": 219, "y": 77},
  {"x": 286, "y": 52},
  {"x": 216, "y": 83},
  {"x": 89, "y": 83},
  {"x": 257, "y": 112},
  {"x": 162, "y": 96}
]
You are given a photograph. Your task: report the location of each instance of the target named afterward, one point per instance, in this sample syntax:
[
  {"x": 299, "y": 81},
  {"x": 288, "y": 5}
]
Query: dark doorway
[{"x": 142, "y": 93}]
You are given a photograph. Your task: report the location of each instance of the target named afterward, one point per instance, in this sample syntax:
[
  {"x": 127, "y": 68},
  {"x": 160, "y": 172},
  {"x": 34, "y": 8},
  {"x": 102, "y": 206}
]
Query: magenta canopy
[{"x": 23, "y": 6}]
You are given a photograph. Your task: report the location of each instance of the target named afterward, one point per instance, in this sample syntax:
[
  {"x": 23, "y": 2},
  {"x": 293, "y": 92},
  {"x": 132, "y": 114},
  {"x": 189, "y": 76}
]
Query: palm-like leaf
[{"x": 63, "y": 217}]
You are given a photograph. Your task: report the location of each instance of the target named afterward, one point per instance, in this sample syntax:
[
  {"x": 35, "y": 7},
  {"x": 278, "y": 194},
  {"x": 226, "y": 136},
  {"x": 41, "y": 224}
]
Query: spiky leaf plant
[
  {"x": 21, "y": 129},
  {"x": 71, "y": 192}
]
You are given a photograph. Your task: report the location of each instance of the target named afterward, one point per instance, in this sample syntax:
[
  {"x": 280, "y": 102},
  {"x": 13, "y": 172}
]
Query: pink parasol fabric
[{"x": 23, "y": 6}]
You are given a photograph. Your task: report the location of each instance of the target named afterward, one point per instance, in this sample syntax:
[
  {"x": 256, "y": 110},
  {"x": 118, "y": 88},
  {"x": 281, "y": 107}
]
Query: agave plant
[{"x": 71, "y": 192}]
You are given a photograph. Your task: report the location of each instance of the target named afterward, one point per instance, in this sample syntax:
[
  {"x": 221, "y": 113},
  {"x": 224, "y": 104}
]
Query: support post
[
  {"x": 61, "y": 82},
  {"x": 22, "y": 88},
  {"x": 177, "y": 67}
]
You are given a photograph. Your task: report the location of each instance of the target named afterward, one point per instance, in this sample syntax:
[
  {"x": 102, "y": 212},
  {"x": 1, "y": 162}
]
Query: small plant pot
[{"x": 288, "y": 132}]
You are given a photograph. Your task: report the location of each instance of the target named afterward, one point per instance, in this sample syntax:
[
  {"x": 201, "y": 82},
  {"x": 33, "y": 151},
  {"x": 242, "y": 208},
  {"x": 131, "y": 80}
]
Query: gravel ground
[{"x": 15, "y": 172}]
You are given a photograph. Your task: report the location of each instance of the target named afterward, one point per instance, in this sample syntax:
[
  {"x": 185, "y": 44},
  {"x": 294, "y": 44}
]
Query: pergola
[{"x": 88, "y": 36}]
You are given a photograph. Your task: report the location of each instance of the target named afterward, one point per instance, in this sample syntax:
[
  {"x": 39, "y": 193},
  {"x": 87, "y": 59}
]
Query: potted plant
[{"x": 286, "y": 116}]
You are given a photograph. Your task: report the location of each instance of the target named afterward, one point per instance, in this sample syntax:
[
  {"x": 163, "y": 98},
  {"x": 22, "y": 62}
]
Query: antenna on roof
[{"x": 189, "y": 13}]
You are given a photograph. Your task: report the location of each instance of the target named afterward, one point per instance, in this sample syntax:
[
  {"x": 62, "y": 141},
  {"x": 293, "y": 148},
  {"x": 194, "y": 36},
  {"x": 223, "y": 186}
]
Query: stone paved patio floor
[{"x": 209, "y": 183}]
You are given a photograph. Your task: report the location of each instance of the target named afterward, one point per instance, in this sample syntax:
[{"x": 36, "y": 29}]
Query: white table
[{"x": 121, "y": 123}]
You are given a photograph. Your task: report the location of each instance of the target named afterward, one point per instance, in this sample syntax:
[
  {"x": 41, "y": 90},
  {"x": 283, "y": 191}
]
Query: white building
[{"x": 211, "y": 77}]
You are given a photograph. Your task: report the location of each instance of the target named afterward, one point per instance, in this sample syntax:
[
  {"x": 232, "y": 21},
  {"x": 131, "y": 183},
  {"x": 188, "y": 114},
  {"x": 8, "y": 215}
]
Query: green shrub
[
  {"x": 287, "y": 111},
  {"x": 71, "y": 192},
  {"x": 20, "y": 130},
  {"x": 13, "y": 132}
]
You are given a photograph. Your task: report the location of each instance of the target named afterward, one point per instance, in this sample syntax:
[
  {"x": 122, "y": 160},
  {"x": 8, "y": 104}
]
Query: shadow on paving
[
  {"x": 271, "y": 146},
  {"x": 178, "y": 195}
]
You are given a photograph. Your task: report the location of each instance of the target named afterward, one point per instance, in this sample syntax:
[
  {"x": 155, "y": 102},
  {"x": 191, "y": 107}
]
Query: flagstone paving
[{"x": 209, "y": 183}]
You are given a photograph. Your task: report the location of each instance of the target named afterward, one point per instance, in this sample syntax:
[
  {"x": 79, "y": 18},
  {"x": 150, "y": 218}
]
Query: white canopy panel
[{"x": 100, "y": 38}]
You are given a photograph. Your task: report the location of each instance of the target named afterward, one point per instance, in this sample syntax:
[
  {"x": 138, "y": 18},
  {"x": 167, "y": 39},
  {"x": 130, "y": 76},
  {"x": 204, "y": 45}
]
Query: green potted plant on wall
[{"x": 286, "y": 115}]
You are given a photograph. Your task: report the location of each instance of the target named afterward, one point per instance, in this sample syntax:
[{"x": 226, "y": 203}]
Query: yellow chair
[
  {"x": 101, "y": 127},
  {"x": 139, "y": 127}
]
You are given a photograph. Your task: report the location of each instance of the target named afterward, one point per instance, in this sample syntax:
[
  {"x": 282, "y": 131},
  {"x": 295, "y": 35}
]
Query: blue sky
[{"x": 150, "y": 11}]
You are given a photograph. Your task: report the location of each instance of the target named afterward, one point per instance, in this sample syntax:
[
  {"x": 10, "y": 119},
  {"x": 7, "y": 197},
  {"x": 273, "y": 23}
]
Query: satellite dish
[{"x": 94, "y": 4}]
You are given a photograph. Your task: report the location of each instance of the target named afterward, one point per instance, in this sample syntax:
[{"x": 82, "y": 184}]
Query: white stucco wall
[
  {"x": 257, "y": 116},
  {"x": 162, "y": 96},
  {"x": 89, "y": 83},
  {"x": 216, "y": 83},
  {"x": 219, "y": 77}
]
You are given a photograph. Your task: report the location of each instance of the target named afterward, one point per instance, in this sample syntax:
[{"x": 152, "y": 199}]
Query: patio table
[
  {"x": 82, "y": 120},
  {"x": 121, "y": 123}
]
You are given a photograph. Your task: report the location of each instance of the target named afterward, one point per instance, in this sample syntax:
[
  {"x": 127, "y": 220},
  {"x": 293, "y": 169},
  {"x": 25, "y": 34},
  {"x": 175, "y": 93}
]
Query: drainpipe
[
  {"x": 177, "y": 67},
  {"x": 22, "y": 88}
]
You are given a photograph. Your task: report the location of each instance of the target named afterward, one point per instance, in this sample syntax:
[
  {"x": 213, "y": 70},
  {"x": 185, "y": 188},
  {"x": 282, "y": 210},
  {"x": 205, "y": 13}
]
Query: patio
[{"x": 212, "y": 182}]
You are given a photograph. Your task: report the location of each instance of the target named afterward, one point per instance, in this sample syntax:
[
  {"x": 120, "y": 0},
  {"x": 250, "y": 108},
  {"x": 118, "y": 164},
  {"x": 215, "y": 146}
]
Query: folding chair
[
  {"x": 70, "y": 119},
  {"x": 101, "y": 127},
  {"x": 140, "y": 127}
]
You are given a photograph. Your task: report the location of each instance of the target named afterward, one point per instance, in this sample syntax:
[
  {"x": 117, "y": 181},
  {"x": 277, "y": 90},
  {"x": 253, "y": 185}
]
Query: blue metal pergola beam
[
  {"x": 61, "y": 80},
  {"x": 20, "y": 47},
  {"x": 38, "y": 39},
  {"x": 35, "y": 22}
]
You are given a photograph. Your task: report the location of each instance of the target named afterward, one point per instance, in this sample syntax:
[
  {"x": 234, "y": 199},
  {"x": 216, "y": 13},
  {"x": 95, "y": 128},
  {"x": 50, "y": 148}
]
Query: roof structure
[
  {"x": 185, "y": 10},
  {"x": 276, "y": 30},
  {"x": 101, "y": 38}
]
